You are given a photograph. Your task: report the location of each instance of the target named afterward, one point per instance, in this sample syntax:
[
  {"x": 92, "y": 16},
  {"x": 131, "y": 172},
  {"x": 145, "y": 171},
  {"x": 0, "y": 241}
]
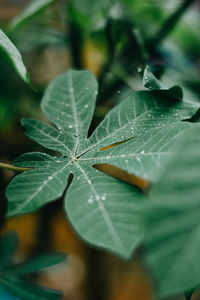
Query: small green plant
[
  {"x": 152, "y": 134},
  {"x": 12, "y": 275},
  {"x": 141, "y": 132}
]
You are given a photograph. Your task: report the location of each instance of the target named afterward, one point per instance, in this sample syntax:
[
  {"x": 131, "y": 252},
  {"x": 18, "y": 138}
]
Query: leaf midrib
[
  {"x": 20, "y": 207},
  {"x": 114, "y": 132},
  {"x": 106, "y": 217}
]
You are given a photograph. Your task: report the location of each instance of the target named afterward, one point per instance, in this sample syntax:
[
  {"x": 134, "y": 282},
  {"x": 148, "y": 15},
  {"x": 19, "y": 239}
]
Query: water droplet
[
  {"x": 96, "y": 92},
  {"x": 162, "y": 116},
  {"x": 142, "y": 152},
  {"x": 90, "y": 200},
  {"x": 118, "y": 92},
  {"x": 138, "y": 159},
  {"x": 71, "y": 90},
  {"x": 108, "y": 156},
  {"x": 103, "y": 197},
  {"x": 70, "y": 126},
  {"x": 89, "y": 181},
  {"x": 78, "y": 178},
  {"x": 97, "y": 197},
  {"x": 132, "y": 128},
  {"x": 86, "y": 105},
  {"x": 139, "y": 69},
  {"x": 122, "y": 155},
  {"x": 122, "y": 136},
  {"x": 126, "y": 161},
  {"x": 50, "y": 177},
  {"x": 176, "y": 114},
  {"x": 149, "y": 115}
]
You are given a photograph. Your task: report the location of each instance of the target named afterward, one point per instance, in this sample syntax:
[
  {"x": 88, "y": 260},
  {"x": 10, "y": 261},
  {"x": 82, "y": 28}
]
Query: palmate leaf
[
  {"x": 10, "y": 273},
  {"x": 172, "y": 239},
  {"x": 12, "y": 55},
  {"x": 152, "y": 83},
  {"x": 34, "y": 8},
  {"x": 103, "y": 210}
]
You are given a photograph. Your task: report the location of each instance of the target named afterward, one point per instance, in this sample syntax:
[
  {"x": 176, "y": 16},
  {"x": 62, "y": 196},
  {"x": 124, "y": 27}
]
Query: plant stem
[
  {"x": 168, "y": 25},
  {"x": 12, "y": 168}
]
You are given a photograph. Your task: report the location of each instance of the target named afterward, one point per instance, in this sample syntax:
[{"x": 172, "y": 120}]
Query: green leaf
[
  {"x": 152, "y": 83},
  {"x": 27, "y": 291},
  {"x": 35, "y": 264},
  {"x": 31, "y": 10},
  {"x": 103, "y": 210},
  {"x": 8, "y": 246},
  {"x": 33, "y": 159},
  {"x": 173, "y": 228},
  {"x": 12, "y": 55}
]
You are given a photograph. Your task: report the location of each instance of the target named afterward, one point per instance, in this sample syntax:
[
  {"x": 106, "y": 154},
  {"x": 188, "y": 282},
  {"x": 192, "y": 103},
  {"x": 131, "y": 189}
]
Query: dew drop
[
  {"x": 138, "y": 159},
  {"x": 132, "y": 128},
  {"x": 162, "y": 116},
  {"x": 108, "y": 156},
  {"x": 149, "y": 115},
  {"x": 122, "y": 155},
  {"x": 96, "y": 92},
  {"x": 103, "y": 197},
  {"x": 142, "y": 152},
  {"x": 70, "y": 126},
  {"x": 126, "y": 161},
  {"x": 118, "y": 92},
  {"x": 97, "y": 197},
  {"x": 139, "y": 69},
  {"x": 86, "y": 105},
  {"x": 122, "y": 136},
  {"x": 90, "y": 200},
  {"x": 71, "y": 90},
  {"x": 50, "y": 177}
]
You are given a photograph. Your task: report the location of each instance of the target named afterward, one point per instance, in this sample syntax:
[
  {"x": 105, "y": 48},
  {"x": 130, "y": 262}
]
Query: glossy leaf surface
[
  {"x": 103, "y": 210},
  {"x": 12, "y": 55},
  {"x": 172, "y": 238}
]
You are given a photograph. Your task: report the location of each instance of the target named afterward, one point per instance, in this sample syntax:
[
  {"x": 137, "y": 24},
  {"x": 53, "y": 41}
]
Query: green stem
[
  {"x": 12, "y": 168},
  {"x": 168, "y": 25}
]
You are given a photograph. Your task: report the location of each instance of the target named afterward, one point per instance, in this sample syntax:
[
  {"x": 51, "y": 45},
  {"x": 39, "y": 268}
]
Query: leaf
[
  {"x": 152, "y": 83},
  {"x": 13, "y": 56},
  {"x": 103, "y": 210},
  {"x": 8, "y": 246},
  {"x": 27, "y": 291},
  {"x": 34, "y": 8},
  {"x": 173, "y": 227},
  {"x": 35, "y": 264},
  {"x": 9, "y": 275}
]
